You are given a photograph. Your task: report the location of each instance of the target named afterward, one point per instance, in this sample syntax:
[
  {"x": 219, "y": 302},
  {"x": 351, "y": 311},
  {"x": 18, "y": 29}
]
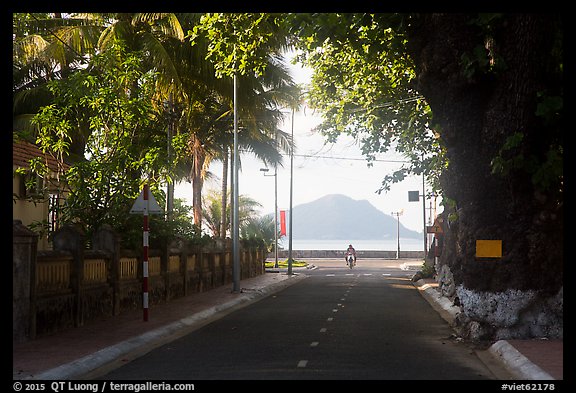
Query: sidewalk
[
  {"x": 81, "y": 353},
  {"x": 88, "y": 351}
]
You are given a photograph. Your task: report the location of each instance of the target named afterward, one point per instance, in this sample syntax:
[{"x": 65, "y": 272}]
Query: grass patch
[{"x": 284, "y": 263}]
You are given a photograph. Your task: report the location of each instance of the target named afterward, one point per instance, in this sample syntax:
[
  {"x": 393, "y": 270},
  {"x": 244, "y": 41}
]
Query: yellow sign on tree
[{"x": 488, "y": 248}]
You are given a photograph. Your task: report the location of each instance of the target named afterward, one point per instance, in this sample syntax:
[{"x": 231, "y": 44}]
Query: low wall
[
  {"x": 303, "y": 254},
  {"x": 71, "y": 286}
]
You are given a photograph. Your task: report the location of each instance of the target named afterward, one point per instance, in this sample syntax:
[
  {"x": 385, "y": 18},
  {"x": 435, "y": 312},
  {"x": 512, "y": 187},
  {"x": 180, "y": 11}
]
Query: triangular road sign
[{"x": 140, "y": 204}]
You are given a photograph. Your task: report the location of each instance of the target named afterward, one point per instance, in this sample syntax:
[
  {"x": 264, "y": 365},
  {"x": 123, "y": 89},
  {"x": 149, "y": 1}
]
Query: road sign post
[{"x": 145, "y": 204}]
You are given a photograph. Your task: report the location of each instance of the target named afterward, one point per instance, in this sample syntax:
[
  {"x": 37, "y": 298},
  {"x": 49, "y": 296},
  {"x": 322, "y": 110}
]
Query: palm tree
[
  {"x": 258, "y": 126},
  {"x": 48, "y": 47},
  {"x": 209, "y": 121},
  {"x": 212, "y": 212},
  {"x": 260, "y": 229}
]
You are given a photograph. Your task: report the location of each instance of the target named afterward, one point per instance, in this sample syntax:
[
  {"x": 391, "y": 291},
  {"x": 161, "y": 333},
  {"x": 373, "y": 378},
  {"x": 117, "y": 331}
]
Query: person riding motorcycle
[{"x": 350, "y": 251}]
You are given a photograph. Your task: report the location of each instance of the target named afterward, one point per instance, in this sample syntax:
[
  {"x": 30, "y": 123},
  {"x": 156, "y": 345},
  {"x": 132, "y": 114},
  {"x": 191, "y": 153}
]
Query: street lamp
[
  {"x": 264, "y": 170},
  {"x": 290, "y": 221},
  {"x": 235, "y": 202},
  {"x": 291, "y": 194},
  {"x": 398, "y": 214}
]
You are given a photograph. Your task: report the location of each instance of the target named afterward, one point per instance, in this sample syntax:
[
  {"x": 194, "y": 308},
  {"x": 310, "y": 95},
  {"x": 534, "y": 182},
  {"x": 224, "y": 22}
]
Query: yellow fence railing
[
  {"x": 153, "y": 266},
  {"x": 53, "y": 275},
  {"x": 174, "y": 263},
  {"x": 95, "y": 271},
  {"x": 128, "y": 268}
]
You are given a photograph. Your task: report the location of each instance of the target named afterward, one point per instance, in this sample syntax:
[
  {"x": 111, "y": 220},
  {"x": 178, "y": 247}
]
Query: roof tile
[{"x": 23, "y": 151}]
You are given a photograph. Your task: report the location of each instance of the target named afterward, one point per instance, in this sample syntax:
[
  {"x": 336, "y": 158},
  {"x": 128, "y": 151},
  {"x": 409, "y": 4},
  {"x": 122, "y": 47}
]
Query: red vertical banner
[{"x": 282, "y": 222}]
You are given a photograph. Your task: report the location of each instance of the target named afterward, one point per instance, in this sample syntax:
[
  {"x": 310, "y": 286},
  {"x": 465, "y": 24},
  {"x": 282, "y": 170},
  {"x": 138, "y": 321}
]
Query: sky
[{"x": 320, "y": 170}]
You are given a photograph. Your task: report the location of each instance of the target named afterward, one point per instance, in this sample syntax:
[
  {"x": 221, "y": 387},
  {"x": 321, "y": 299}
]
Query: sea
[{"x": 406, "y": 244}]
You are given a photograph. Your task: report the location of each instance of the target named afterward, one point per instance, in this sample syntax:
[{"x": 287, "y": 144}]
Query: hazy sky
[{"x": 319, "y": 170}]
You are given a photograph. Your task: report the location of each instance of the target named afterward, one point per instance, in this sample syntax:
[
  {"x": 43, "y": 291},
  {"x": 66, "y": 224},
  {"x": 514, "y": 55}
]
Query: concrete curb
[
  {"x": 517, "y": 363},
  {"x": 440, "y": 303},
  {"x": 87, "y": 366}
]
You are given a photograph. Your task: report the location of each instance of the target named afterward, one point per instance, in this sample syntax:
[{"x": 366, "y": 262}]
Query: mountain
[{"x": 338, "y": 217}]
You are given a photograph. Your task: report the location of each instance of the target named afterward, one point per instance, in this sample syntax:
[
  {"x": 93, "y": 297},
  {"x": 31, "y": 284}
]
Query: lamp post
[
  {"x": 291, "y": 193},
  {"x": 235, "y": 204},
  {"x": 290, "y": 223},
  {"x": 398, "y": 214},
  {"x": 275, "y": 212}
]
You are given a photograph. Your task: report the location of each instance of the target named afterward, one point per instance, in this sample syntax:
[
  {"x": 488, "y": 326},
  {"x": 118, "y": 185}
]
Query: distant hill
[{"x": 338, "y": 217}]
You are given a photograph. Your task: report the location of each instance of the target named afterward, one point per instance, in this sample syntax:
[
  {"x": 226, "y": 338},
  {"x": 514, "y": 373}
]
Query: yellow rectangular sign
[{"x": 488, "y": 248}]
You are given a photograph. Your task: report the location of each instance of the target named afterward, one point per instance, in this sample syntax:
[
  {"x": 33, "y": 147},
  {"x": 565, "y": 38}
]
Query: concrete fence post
[
  {"x": 24, "y": 248},
  {"x": 71, "y": 239},
  {"x": 106, "y": 239}
]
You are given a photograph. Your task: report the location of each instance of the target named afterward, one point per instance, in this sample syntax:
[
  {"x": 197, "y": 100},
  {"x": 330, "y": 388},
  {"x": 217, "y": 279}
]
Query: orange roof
[{"x": 23, "y": 151}]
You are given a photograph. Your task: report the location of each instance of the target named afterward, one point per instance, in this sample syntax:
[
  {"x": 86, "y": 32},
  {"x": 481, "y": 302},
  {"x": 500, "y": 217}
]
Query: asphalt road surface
[{"x": 368, "y": 323}]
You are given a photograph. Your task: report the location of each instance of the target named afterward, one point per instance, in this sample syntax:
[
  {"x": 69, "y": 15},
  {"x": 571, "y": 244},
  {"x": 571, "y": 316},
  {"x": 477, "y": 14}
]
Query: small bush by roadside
[{"x": 295, "y": 263}]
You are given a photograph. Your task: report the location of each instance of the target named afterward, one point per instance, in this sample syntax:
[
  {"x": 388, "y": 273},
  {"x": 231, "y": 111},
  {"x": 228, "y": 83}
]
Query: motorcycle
[{"x": 350, "y": 260}]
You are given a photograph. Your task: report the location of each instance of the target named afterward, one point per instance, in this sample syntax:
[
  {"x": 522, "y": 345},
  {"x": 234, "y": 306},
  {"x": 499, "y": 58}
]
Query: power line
[{"x": 349, "y": 158}]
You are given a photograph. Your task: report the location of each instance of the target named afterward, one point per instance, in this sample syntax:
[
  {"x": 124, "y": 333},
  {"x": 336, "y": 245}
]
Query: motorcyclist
[{"x": 349, "y": 251}]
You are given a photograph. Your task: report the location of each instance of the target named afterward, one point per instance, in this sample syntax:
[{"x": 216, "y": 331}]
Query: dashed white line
[
  {"x": 314, "y": 343},
  {"x": 302, "y": 363},
  {"x": 323, "y": 330},
  {"x": 330, "y": 319}
]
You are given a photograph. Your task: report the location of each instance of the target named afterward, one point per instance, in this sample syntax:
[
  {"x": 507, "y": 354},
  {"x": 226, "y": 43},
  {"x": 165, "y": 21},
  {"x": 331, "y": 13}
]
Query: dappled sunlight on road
[{"x": 402, "y": 286}]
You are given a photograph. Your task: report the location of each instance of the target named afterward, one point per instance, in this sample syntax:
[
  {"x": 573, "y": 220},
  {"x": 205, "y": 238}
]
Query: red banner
[{"x": 282, "y": 222}]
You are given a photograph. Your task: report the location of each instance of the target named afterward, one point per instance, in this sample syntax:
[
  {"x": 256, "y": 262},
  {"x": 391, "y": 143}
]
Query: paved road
[{"x": 369, "y": 323}]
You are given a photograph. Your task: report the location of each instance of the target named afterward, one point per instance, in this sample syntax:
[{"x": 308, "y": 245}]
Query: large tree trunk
[
  {"x": 197, "y": 180},
  {"x": 520, "y": 294}
]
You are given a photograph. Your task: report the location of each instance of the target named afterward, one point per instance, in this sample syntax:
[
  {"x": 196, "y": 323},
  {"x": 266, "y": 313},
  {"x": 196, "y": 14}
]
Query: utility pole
[
  {"x": 291, "y": 193},
  {"x": 275, "y": 211},
  {"x": 235, "y": 206},
  {"x": 170, "y": 191},
  {"x": 424, "y": 213},
  {"x": 398, "y": 214}
]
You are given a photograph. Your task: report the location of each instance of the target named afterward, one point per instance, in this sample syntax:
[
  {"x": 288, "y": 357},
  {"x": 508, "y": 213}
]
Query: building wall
[{"x": 28, "y": 212}]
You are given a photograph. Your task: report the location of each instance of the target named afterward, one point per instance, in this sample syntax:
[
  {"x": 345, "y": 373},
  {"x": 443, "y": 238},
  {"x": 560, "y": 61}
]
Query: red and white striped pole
[
  {"x": 436, "y": 251},
  {"x": 145, "y": 254}
]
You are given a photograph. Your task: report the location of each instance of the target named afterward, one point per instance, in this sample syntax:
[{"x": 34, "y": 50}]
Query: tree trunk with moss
[{"x": 494, "y": 87}]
